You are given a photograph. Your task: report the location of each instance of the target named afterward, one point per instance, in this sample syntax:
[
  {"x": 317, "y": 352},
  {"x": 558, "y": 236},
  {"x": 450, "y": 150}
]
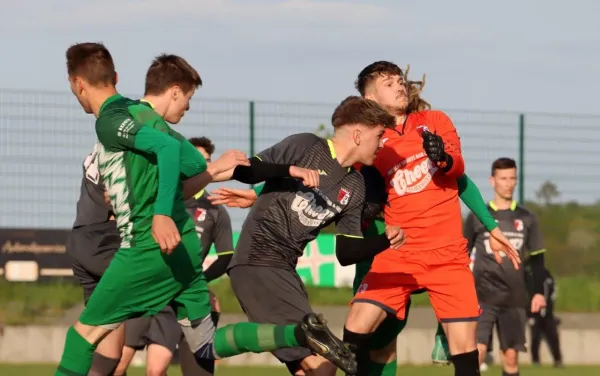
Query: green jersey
[{"x": 142, "y": 162}]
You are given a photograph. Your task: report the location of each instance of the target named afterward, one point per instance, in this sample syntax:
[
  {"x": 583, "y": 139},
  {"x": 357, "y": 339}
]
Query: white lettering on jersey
[
  {"x": 412, "y": 180},
  {"x": 90, "y": 166},
  {"x": 515, "y": 240},
  {"x": 309, "y": 213}
]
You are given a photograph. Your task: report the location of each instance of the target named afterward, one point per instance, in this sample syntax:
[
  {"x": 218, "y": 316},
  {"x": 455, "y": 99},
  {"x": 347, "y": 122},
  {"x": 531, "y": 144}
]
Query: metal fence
[{"x": 44, "y": 137}]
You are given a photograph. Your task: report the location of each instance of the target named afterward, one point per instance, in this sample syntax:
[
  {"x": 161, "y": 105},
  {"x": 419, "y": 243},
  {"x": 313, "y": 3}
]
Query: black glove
[{"x": 434, "y": 147}]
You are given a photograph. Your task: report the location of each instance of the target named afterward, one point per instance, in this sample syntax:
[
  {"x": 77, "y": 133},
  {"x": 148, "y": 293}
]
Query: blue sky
[{"x": 510, "y": 55}]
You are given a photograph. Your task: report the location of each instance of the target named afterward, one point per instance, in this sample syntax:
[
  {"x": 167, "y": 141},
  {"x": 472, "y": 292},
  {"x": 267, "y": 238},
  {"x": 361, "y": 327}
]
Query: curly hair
[{"x": 413, "y": 88}]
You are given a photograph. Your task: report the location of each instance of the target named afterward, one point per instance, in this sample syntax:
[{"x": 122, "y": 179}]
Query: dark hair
[
  {"x": 167, "y": 71},
  {"x": 204, "y": 143},
  {"x": 92, "y": 62},
  {"x": 358, "y": 110},
  {"x": 384, "y": 68},
  {"x": 503, "y": 164}
]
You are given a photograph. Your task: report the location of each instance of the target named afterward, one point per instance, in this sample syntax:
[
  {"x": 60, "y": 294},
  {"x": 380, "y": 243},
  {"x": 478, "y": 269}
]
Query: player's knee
[
  {"x": 156, "y": 370},
  {"x": 200, "y": 335},
  {"x": 386, "y": 354},
  {"x": 510, "y": 359},
  {"x": 461, "y": 336},
  {"x": 364, "y": 317},
  {"x": 94, "y": 334}
]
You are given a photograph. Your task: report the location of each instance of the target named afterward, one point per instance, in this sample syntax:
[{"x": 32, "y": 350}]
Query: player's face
[
  {"x": 78, "y": 88},
  {"x": 204, "y": 154},
  {"x": 180, "y": 103},
  {"x": 368, "y": 141},
  {"x": 390, "y": 93},
  {"x": 504, "y": 182}
]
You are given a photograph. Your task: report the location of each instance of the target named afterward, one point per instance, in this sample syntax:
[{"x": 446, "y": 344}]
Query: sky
[
  {"x": 528, "y": 55},
  {"x": 523, "y": 55}
]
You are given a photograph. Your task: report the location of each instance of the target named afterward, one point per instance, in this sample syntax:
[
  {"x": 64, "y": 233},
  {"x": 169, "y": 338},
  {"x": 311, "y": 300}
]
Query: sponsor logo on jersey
[
  {"x": 518, "y": 225},
  {"x": 414, "y": 179},
  {"x": 309, "y": 213},
  {"x": 125, "y": 128},
  {"x": 200, "y": 214},
  {"x": 322, "y": 172},
  {"x": 343, "y": 196}
]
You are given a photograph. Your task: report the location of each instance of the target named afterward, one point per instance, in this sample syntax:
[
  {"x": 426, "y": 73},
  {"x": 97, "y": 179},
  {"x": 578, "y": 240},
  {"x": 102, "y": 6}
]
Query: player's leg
[
  {"x": 511, "y": 333},
  {"x": 124, "y": 292},
  {"x": 441, "y": 351},
  {"x": 91, "y": 249},
  {"x": 485, "y": 328},
  {"x": 135, "y": 340},
  {"x": 379, "y": 296},
  {"x": 536, "y": 338},
  {"x": 451, "y": 287},
  {"x": 278, "y": 296},
  {"x": 162, "y": 337}
]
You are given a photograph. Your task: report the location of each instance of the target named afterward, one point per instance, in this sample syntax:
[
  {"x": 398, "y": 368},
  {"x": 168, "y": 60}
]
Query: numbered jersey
[
  {"x": 91, "y": 207},
  {"x": 501, "y": 284},
  {"x": 421, "y": 198}
]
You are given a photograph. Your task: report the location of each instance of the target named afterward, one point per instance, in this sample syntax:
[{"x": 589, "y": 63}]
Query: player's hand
[
  {"x": 214, "y": 302},
  {"x": 107, "y": 199},
  {"x": 228, "y": 162},
  {"x": 233, "y": 198},
  {"x": 310, "y": 178},
  {"x": 538, "y": 302},
  {"x": 499, "y": 243},
  {"x": 395, "y": 235},
  {"x": 434, "y": 147},
  {"x": 165, "y": 233}
]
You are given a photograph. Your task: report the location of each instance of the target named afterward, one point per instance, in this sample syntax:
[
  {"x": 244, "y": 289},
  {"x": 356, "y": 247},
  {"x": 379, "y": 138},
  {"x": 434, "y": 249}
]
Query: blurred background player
[
  {"x": 501, "y": 289},
  {"x": 287, "y": 215},
  {"x": 544, "y": 325}
]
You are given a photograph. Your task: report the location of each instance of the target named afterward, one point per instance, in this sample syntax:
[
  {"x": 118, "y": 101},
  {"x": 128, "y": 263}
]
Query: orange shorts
[{"x": 444, "y": 273}]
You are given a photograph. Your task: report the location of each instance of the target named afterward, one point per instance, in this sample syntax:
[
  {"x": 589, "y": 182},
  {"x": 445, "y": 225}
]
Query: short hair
[
  {"x": 358, "y": 110},
  {"x": 92, "y": 62},
  {"x": 167, "y": 71},
  {"x": 204, "y": 143},
  {"x": 503, "y": 164},
  {"x": 372, "y": 71}
]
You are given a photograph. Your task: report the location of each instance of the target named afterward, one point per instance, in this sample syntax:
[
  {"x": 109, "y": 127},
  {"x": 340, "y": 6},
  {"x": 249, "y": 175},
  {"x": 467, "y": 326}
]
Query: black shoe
[{"x": 322, "y": 342}]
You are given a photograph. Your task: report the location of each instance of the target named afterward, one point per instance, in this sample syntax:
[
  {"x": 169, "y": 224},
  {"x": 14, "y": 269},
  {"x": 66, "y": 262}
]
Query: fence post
[
  {"x": 251, "y": 131},
  {"x": 522, "y": 158}
]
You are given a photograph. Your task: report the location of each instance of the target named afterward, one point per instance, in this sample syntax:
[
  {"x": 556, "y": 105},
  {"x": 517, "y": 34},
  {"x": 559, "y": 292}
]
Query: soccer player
[
  {"x": 142, "y": 163},
  {"x": 287, "y": 215},
  {"x": 501, "y": 289},
  {"x": 420, "y": 162}
]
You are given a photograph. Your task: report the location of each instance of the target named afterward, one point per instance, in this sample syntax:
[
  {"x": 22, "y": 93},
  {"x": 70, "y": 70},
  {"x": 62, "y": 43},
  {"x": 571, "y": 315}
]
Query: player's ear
[
  {"x": 116, "y": 78},
  {"x": 176, "y": 93},
  {"x": 492, "y": 181},
  {"x": 356, "y": 136}
]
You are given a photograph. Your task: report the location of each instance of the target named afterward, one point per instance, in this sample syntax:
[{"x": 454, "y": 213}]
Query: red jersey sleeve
[{"x": 444, "y": 128}]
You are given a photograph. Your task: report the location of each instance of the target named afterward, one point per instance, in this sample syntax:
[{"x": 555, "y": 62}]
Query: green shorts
[{"x": 141, "y": 282}]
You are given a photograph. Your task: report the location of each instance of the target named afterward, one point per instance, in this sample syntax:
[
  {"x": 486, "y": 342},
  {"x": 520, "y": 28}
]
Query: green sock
[
  {"x": 440, "y": 330},
  {"x": 246, "y": 337},
  {"x": 378, "y": 369},
  {"x": 77, "y": 356}
]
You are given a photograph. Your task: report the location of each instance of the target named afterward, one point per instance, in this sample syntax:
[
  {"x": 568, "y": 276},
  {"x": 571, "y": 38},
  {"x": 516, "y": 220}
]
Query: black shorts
[
  {"x": 510, "y": 325},
  {"x": 162, "y": 329},
  {"x": 271, "y": 295},
  {"x": 91, "y": 249}
]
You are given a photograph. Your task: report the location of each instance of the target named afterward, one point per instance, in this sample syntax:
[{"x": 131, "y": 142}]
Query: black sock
[
  {"x": 504, "y": 373},
  {"x": 359, "y": 344},
  {"x": 466, "y": 364},
  {"x": 103, "y": 366}
]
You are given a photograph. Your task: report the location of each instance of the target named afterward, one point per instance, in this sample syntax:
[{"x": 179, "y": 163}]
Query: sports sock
[
  {"x": 466, "y": 364},
  {"x": 359, "y": 344},
  {"x": 378, "y": 369},
  {"x": 103, "y": 365},
  {"x": 77, "y": 355},
  {"x": 246, "y": 337}
]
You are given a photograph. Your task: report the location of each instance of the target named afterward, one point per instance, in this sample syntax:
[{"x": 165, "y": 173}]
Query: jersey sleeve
[
  {"x": 535, "y": 241},
  {"x": 223, "y": 236},
  {"x": 469, "y": 231},
  {"x": 290, "y": 150},
  {"x": 445, "y": 129},
  {"x": 375, "y": 193},
  {"x": 349, "y": 223},
  {"x": 192, "y": 162},
  {"x": 471, "y": 196},
  {"x": 117, "y": 130}
]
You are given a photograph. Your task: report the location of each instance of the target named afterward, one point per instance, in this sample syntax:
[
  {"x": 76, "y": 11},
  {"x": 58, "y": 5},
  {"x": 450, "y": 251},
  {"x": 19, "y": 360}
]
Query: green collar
[
  {"x": 513, "y": 206},
  {"x": 110, "y": 99}
]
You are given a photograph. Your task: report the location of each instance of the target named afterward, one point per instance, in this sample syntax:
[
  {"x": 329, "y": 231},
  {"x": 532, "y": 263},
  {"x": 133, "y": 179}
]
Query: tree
[{"x": 548, "y": 191}]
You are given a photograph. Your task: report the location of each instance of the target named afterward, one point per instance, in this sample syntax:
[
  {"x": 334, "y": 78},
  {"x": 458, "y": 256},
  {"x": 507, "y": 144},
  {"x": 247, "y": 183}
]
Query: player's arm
[
  {"x": 471, "y": 196},
  {"x": 350, "y": 246},
  {"x": 376, "y": 194},
  {"x": 118, "y": 131},
  {"x": 276, "y": 161},
  {"x": 450, "y": 158},
  {"x": 192, "y": 162},
  {"x": 223, "y": 240},
  {"x": 535, "y": 246}
]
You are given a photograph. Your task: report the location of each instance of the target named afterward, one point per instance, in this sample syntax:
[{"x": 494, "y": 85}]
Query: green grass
[
  {"x": 44, "y": 303},
  {"x": 43, "y": 370}
]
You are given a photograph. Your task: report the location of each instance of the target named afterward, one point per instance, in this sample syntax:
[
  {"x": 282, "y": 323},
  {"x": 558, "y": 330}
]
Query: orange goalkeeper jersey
[{"x": 422, "y": 199}]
